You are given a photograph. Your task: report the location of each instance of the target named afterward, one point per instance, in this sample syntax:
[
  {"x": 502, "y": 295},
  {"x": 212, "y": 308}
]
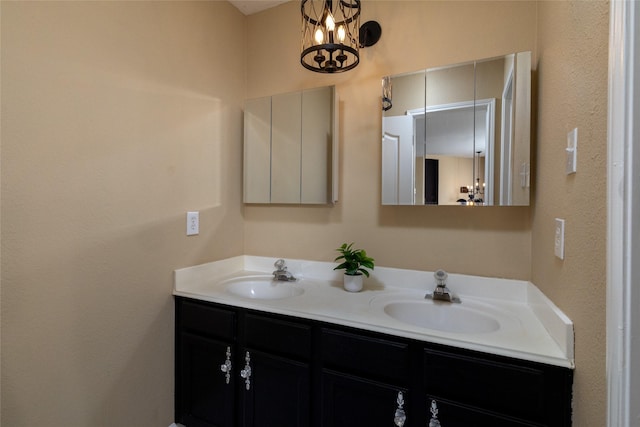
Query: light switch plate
[
  {"x": 559, "y": 238},
  {"x": 572, "y": 152}
]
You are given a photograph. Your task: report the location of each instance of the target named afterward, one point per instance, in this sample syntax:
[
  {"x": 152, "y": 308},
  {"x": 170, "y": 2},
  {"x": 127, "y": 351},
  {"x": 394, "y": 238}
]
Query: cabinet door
[
  {"x": 349, "y": 401},
  {"x": 285, "y": 147},
  {"x": 257, "y": 151},
  {"x": 205, "y": 397},
  {"x": 277, "y": 393},
  {"x": 317, "y": 145}
]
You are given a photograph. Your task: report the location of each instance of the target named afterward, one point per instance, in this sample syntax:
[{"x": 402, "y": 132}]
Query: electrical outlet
[
  {"x": 193, "y": 223},
  {"x": 559, "y": 239}
]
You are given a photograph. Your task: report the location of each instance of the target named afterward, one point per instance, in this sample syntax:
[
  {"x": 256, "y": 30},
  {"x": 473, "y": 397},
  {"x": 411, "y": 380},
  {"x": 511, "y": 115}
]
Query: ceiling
[{"x": 249, "y": 7}]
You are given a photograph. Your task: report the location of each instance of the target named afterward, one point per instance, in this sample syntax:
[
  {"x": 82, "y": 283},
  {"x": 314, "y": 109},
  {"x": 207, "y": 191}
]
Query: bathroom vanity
[{"x": 326, "y": 361}]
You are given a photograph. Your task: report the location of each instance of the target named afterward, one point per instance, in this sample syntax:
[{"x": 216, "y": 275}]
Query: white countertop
[{"x": 531, "y": 326}]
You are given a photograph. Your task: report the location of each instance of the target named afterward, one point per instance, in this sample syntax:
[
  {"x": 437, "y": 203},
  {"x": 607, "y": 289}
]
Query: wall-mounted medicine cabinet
[
  {"x": 290, "y": 148},
  {"x": 459, "y": 134}
]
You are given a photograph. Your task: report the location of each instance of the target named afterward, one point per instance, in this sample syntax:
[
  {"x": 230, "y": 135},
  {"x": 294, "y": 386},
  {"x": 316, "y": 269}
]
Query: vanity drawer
[
  {"x": 277, "y": 335},
  {"x": 510, "y": 387},
  {"x": 451, "y": 414},
  {"x": 205, "y": 319},
  {"x": 367, "y": 355}
]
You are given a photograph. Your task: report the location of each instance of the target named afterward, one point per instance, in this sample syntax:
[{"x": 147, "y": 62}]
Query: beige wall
[
  {"x": 572, "y": 92},
  {"x": 117, "y": 118},
  {"x": 571, "y": 38},
  {"x": 489, "y": 241}
]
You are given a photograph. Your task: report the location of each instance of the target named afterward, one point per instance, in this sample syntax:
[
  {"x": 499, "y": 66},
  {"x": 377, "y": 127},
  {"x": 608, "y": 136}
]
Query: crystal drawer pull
[
  {"x": 246, "y": 372},
  {"x": 226, "y": 366},
  {"x": 400, "y": 416},
  {"x": 434, "y": 422}
]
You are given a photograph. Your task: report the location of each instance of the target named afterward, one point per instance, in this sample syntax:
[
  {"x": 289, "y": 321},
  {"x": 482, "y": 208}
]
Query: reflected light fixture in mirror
[
  {"x": 475, "y": 191},
  {"x": 332, "y": 36}
]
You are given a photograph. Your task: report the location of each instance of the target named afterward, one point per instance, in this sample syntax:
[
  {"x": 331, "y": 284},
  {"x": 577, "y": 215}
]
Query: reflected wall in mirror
[
  {"x": 459, "y": 134},
  {"x": 290, "y": 148}
]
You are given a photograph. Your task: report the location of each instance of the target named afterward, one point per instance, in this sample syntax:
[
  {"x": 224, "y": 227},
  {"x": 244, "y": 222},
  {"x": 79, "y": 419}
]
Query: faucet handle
[
  {"x": 441, "y": 277},
  {"x": 279, "y": 264}
]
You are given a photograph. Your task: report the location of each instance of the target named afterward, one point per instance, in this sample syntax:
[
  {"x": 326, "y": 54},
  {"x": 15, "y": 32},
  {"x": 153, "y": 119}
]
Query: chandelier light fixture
[{"x": 332, "y": 36}]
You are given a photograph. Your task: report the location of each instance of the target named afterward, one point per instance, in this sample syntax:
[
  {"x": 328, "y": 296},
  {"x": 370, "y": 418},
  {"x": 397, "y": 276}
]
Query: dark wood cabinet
[
  {"x": 304, "y": 373},
  {"x": 349, "y": 401},
  {"x": 362, "y": 376},
  {"x": 279, "y": 394},
  {"x": 451, "y": 414},
  {"x": 206, "y": 399},
  {"x": 240, "y": 368},
  {"x": 280, "y": 391},
  {"x": 526, "y": 393},
  {"x": 205, "y": 339}
]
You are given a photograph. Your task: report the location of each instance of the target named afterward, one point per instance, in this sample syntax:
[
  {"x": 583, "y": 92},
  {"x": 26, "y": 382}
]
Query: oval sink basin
[
  {"x": 262, "y": 287},
  {"x": 443, "y": 317}
]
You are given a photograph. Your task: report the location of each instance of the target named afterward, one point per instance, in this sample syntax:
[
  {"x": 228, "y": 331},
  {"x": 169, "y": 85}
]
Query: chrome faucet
[
  {"x": 442, "y": 293},
  {"x": 282, "y": 274}
]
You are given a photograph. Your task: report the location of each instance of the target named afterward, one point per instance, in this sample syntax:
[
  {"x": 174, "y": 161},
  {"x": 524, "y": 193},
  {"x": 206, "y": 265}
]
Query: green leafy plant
[{"x": 354, "y": 261}]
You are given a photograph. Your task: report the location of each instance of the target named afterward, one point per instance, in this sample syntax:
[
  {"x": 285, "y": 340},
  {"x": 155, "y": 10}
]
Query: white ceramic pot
[{"x": 353, "y": 283}]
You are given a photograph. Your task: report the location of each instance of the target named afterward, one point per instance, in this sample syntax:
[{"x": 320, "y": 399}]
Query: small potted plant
[{"x": 355, "y": 263}]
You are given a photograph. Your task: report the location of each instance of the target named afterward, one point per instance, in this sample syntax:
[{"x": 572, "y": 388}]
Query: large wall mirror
[{"x": 458, "y": 134}]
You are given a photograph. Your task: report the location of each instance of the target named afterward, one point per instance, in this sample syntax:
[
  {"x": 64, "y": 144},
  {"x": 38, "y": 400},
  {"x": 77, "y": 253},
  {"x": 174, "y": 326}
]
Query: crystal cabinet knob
[
  {"x": 400, "y": 417},
  {"x": 226, "y": 366},
  {"x": 246, "y": 372},
  {"x": 434, "y": 422}
]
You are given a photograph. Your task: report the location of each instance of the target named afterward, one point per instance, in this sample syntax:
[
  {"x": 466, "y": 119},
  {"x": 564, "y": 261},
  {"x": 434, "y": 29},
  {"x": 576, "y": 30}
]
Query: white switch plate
[
  {"x": 572, "y": 152},
  {"x": 193, "y": 223},
  {"x": 559, "y": 239}
]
